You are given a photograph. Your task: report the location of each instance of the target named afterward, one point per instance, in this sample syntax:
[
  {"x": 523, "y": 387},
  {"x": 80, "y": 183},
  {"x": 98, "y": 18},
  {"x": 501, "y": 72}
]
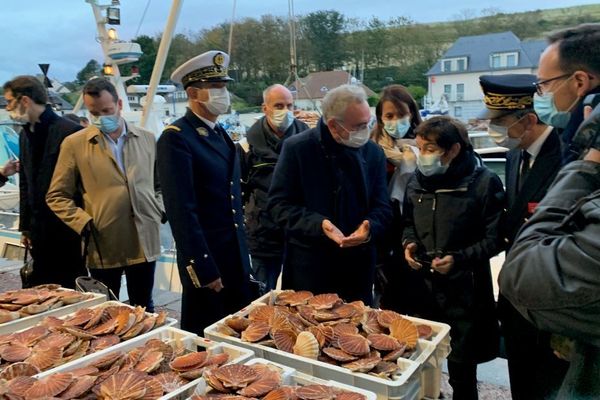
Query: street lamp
[
  {"x": 112, "y": 34},
  {"x": 113, "y": 16},
  {"x": 108, "y": 70}
]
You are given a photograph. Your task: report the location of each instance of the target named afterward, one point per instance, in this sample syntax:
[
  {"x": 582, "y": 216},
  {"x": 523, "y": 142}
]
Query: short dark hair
[
  {"x": 445, "y": 131},
  {"x": 95, "y": 86},
  {"x": 27, "y": 85},
  {"x": 578, "y": 48},
  {"x": 397, "y": 95}
]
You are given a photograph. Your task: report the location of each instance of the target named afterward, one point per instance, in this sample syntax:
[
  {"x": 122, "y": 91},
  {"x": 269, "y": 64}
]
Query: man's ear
[
  {"x": 264, "y": 108},
  {"x": 584, "y": 82},
  {"x": 454, "y": 150},
  {"x": 191, "y": 93}
]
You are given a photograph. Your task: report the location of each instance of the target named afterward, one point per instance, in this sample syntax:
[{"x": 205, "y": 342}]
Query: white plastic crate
[
  {"x": 405, "y": 385},
  {"x": 191, "y": 341},
  {"x": 292, "y": 377},
  {"x": 26, "y": 322}
]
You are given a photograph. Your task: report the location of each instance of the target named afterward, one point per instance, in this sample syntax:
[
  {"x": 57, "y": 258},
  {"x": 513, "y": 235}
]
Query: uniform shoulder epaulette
[{"x": 173, "y": 127}]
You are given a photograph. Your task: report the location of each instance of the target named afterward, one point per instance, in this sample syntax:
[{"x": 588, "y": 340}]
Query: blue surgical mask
[
  {"x": 546, "y": 110},
  {"x": 499, "y": 134},
  {"x": 106, "y": 123},
  {"x": 397, "y": 128},
  {"x": 431, "y": 164}
]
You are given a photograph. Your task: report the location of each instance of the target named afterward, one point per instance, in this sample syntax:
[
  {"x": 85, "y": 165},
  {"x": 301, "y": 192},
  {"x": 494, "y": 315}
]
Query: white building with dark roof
[{"x": 455, "y": 77}]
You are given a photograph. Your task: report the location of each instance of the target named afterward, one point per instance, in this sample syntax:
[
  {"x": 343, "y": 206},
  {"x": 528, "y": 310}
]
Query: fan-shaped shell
[
  {"x": 217, "y": 359},
  {"x": 45, "y": 358},
  {"x": 133, "y": 332},
  {"x": 150, "y": 361},
  {"x": 261, "y": 313},
  {"x": 306, "y": 345},
  {"x": 356, "y": 345},
  {"x": 324, "y": 301},
  {"x": 363, "y": 364},
  {"x": 396, "y": 354},
  {"x": 105, "y": 328},
  {"x": 189, "y": 361},
  {"x": 49, "y": 386},
  {"x": 104, "y": 342},
  {"x": 344, "y": 329},
  {"x": 285, "y": 339},
  {"x": 237, "y": 323},
  {"x": 306, "y": 313},
  {"x": 385, "y": 369},
  {"x": 71, "y": 297},
  {"x": 7, "y": 316},
  {"x": 33, "y": 309},
  {"x": 338, "y": 355},
  {"x": 280, "y": 320},
  {"x": 383, "y": 342},
  {"x": 350, "y": 396},
  {"x": 425, "y": 331},
  {"x": 154, "y": 389},
  {"x": 256, "y": 331},
  {"x": 293, "y": 299},
  {"x": 26, "y": 298},
  {"x": 235, "y": 376},
  {"x": 128, "y": 385},
  {"x": 319, "y": 335},
  {"x": 15, "y": 352},
  {"x": 224, "y": 329},
  {"x": 107, "y": 360},
  {"x": 20, "y": 385},
  {"x": 170, "y": 381},
  {"x": 346, "y": 311},
  {"x": 83, "y": 371},
  {"x": 405, "y": 331},
  {"x": 18, "y": 369},
  {"x": 79, "y": 386},
  {"x": 282, "y": 393},
  {"x": 386, "y": 317},
  {"x": 56, "y": 339},
  {"x": 261, "y": 386},
  {"x": 213, "y": 381},
  {"x": 30, "y": 336},
  {"x": 315, "y": 392}
]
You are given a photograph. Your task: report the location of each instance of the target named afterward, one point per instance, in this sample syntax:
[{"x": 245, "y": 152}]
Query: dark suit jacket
[
  {"x": 540, "y": 177},
  {"x": 200, "y": 180}
]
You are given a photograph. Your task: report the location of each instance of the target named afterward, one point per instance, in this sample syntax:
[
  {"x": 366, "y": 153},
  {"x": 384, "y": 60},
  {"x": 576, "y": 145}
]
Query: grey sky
[{"x": 62, "y": 32}]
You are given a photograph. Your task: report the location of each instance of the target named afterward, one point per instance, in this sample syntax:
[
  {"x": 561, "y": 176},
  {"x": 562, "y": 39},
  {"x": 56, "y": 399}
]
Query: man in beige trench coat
[{"x": 112, "y": 163}]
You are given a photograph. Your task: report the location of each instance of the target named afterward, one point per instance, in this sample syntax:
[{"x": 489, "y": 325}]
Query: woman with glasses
[{"x": 451, "y": 213}]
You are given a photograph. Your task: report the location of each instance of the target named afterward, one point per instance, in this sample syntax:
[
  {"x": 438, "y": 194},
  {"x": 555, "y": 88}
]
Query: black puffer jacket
[
  {"x": 265, "y": 238},
  {"x": 458, "y": 214}
]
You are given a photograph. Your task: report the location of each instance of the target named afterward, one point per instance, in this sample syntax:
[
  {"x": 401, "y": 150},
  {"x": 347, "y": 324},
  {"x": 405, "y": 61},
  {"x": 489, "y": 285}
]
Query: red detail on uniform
[{"x": 531, "y": 207}]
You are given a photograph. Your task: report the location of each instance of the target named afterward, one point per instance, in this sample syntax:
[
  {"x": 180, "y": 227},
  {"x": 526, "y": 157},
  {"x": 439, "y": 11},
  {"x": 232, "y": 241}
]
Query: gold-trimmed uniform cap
[
  {"x": 505, "y": 94},
  {"x": 211, "y": 66}
]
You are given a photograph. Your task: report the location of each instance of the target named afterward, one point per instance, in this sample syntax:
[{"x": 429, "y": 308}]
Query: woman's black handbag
[{"x": 26, "y": 271}]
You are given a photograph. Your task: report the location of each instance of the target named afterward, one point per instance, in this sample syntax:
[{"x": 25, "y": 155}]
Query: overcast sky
[{"x": 62, "y": 32}]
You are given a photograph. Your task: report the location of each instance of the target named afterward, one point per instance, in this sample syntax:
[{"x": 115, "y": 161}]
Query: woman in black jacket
[{"x": 452, "y": 209}]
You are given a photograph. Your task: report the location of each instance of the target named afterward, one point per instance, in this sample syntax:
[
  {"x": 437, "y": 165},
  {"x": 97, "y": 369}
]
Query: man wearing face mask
[
  {"x": 532, "y": 163},
  {"x": 112, "y": 163},
  {"x": 200, "y": 176},
  {"x": 569, "y": 70},
  {"x": 55, "y": 248},
  {"x": 329, "y": 195},
  {"x": 265, "y": 139}
]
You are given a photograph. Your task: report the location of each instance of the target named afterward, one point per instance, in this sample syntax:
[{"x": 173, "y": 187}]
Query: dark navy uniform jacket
[{"x": 200, "y": 179}]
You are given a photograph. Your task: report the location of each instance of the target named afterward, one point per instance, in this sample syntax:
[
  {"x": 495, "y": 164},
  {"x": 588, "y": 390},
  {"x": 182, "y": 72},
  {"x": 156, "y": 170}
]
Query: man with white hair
[
  {"x": 265, "y": 139},
  {"x": 329, "y": 195}
]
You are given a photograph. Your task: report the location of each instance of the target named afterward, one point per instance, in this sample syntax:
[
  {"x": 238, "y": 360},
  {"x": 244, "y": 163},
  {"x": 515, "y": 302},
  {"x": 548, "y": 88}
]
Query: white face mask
[
  {"x": 357, "y": 138},
  {"x": 499, "y": 134},
  {"x": 397, "y": 128},
  {"x": 431, "y": 164},
  {"x": 17, "y": 116},
  {"x": 218, "y": 101},
  {"x": 282, "y": 119}
]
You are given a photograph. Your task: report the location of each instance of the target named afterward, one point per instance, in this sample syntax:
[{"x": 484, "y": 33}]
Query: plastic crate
[
  {"x": 26, "y": 322},
  {"x": 405, "y": 385},
  {"x": 290, "y": 376},
  {"x": 191, "y": 341}
]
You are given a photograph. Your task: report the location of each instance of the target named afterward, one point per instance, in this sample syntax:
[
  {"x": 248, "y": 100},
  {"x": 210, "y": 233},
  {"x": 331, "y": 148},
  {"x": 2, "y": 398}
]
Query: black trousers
[
  {"x": 56, "y": 258},
  {"x": 140, "y": 282},
  {"x": 463, "y": 379}
]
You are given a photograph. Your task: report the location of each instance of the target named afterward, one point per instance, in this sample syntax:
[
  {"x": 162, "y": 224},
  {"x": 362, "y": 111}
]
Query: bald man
[{"x": 265, "y": 139}]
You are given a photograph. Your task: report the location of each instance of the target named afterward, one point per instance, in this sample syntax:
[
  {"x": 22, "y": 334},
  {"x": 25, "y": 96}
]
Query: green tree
[
  {"x": 322, "y": 34},
  {"x": 146, "y": 62},
  {"x": 91, "y": 69}
]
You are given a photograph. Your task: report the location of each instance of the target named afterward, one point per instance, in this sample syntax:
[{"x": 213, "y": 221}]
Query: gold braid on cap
[
  {"x": 202, "y": 74},
  {"x": 515, "y": 101}
]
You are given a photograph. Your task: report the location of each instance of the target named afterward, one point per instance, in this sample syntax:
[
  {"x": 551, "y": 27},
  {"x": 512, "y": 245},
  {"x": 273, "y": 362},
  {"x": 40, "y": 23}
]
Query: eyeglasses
[
  {"x": 11, "y": 103},
  {"x": 368, "y": 125},
  {"x": 539, "y": 84}
]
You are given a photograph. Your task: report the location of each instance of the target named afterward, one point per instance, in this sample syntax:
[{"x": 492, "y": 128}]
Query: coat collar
[
  {"x": 207, "y": 135},
  {"x": 92, "y": 132}
]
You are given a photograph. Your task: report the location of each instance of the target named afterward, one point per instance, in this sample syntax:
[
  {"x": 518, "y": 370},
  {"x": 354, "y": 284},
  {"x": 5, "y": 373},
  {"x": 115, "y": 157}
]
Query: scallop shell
[
  {"x": 346, "y": 310},
  {"x": 7, "y": 316},
  {"x": 19, "y": 385},
  {"x": 237, "y": 323},
  {"x": 386, "y": 317},
  {"x": 356, "y": 345},
  {"x": 170, "y": 381},
  {"x": 30, "y": 336},
  {"x": 161, "y": 318},
  {"x": 261, "y": 386},
  {"x": 105, "y": 327},
  {"x": 33, "y": 309},
  {"x": 79, "y": 333},
  {"x": 15, "y": 352},
  {"x": 344, "y": 329},
  {"x": 282, "y": 393},
  {"x": 19, "y": 369},
  {"x": 396, "y": 354},
  {"x": 128, "y": 385},
  {"x": 370, "y": 324},
  {"x": 217, "y": 359},
  {"x": 385, "y": 369},
  {"x": 26, "y": 298},
  {"x": 235, "y": 376},
  {"x": 256, "y": 331},
  {"x": 83, "y": 371},
  {"x": 261, "y": 313},
  {"x": 315, "y": 392},
  {"x": 125, "y": 321},
  {"x": 425, "y": 331},
  {"x": 210, "y": 378},
  {"x": 79, "y": 386},
  {"x": 383, "y": 342},
  {"x": 350, "y": 396},
  {"x": 154, "y": 389},
  {"x": 324, "y": 301},
  {"x": 292, "y": 298},
  {"x": 338, "y": 355},
  {"x": 362, "y": 365},
  {"x": 49, "y": 386},
  {"x": 45, "y": 358},
  {"x": 227, "y": 331},
  {"x": 405, "y": 331},
  {"x": 108, "y": 360},
  {"x": 56, "y": 339},
  {"x": 319, "y": 335},
  {"x": 307, "y": 313},
  {"x": 280, "y": 320},
  {"x": 134, "y": 331},
  {"x": 104, "y": 342},
  {"x": 326, "y": 315},
  {"x": 51, "y": 322},
  {"x": 71, "y": 297},
  {"x": 306, "y": 345},
  {"x": 148, "y": 324},
  {"x": 150, "y": 361},
  {"x": 189, "y": 361},
  {"x": 285, "y": 339}
]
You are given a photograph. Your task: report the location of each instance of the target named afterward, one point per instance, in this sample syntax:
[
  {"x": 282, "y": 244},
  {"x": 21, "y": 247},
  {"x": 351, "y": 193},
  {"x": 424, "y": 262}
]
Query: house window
[
  {"x": 460, "y": 64},
  {"x": 460, "y": 91},
  {"x": 458, "y": 111},
  {"x": 447, "y": 91},
  {"x": 496, "y": 61},
  {"x": 447, "y": 66},
  {"x": 511, "y": 60},
  {"x": 132, "y": 99},
  {"x": 504, "y": 60}
]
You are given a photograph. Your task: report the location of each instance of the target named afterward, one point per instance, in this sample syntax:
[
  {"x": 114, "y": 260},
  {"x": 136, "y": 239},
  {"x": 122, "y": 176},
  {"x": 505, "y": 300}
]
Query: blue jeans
[
  {"x": 267, "y": 271},
  {"x": 140, "y": 282}
]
